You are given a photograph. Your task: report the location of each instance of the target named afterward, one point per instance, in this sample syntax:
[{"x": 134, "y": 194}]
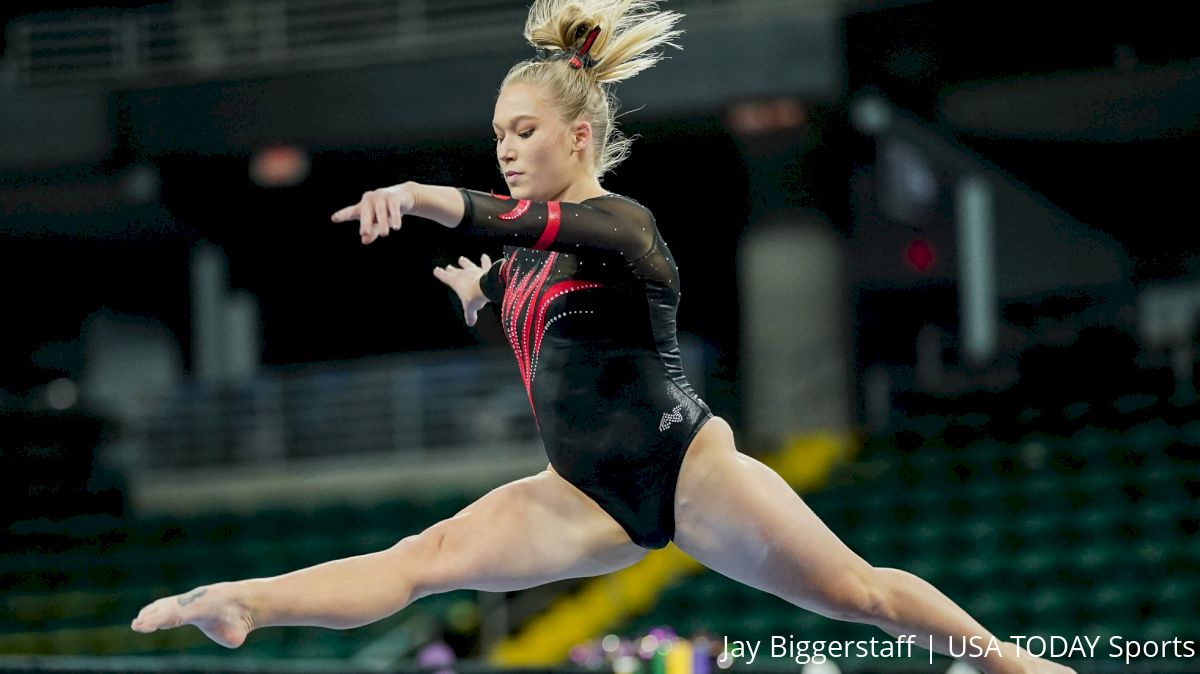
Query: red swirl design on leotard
[
  {"x": 523, "y": 311},
  {"x": 552, "y": 293},
  {"x": 521, "y": 208},
  {"x": 517, "y": 297}
]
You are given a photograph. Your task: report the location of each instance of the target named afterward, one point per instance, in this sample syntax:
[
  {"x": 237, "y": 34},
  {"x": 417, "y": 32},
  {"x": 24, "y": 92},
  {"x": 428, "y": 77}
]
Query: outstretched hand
[
  {"x": 464, "y": 280},
  {"x": 379, "y": 211}
]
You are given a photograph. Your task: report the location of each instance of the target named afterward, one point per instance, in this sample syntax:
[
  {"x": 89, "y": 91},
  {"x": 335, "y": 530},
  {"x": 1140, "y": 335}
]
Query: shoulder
[{"x": 619, "y": 204}]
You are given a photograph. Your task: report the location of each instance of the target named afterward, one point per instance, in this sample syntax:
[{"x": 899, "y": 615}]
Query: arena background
[{"x": 941, "y": 271}]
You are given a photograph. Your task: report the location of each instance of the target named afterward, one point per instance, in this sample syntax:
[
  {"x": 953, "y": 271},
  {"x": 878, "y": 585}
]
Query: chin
[
  {"x": 532, "y": 192},
  {"x": 527, "y": 193}
]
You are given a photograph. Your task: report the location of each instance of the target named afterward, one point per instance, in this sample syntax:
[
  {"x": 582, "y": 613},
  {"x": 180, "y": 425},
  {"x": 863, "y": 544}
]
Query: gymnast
[{"x": 587, "y": 292}]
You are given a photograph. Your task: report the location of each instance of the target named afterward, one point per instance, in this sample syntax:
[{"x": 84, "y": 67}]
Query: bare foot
[{"x": 216, "y": 609}]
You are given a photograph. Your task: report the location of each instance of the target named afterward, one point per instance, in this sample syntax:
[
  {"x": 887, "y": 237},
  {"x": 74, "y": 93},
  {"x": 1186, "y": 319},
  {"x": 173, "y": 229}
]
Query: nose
[{"x": 504, "y": 151}]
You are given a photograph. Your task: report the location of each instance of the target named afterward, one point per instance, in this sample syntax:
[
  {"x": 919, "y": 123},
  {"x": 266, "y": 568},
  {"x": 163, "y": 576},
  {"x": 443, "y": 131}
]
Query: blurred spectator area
[
  {"x": 1042, "y": 510},
  {"x": 190, "y": 39},
  {"x": 295, "y": 68}
]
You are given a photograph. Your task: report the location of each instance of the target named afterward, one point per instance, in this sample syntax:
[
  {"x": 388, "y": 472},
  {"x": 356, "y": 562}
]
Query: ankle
[{"x": 247, "y": 596}]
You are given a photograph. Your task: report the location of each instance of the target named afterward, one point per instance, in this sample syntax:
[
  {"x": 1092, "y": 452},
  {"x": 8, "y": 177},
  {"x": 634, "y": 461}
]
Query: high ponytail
[{"x": 628, "y": 41}]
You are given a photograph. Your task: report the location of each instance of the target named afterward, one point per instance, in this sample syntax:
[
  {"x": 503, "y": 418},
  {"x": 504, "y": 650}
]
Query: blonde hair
[{"x": 630, "y": 32}]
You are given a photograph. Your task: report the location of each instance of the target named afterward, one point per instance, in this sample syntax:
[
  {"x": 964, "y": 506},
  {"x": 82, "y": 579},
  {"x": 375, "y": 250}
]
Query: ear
[{"x": 581, "y": 135}]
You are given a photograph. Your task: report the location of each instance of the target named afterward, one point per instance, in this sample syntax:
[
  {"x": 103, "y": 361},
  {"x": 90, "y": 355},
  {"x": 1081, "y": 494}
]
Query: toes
[
  {"x": 147, "y": 610},
  {"x": 142, "y": 622},
  {"x": 155, "y": 616},
  {"x": 145, "y": 625}
]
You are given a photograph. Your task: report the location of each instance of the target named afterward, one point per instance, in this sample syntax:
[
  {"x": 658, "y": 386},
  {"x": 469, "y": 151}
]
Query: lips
[{"x": 510, "y": 175}]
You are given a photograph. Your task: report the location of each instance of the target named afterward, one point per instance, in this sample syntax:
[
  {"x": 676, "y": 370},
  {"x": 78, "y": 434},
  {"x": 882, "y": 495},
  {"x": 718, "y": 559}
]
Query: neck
[{"x": 579, "y": 190}]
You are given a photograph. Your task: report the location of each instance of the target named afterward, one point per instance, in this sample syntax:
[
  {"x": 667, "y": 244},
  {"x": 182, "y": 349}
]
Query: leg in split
[
  {"x": 738, "y": 517},
  {"x": 526, "y": 533}
]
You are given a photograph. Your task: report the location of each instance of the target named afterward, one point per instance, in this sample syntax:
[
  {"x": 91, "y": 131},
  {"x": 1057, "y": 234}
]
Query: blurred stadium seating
[
  {"x": 73, "y": 585},
  {"x": 1084, "y": 522}
]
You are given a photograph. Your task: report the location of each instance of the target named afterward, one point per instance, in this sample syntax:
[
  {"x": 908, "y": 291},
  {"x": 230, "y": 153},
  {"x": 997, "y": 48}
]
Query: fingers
[
  {"x": 397, "y": 214},
  {"x": 467, "y": 263},
  {"x": 448, "y": 274},
  {"x": 347, "y": 213},
  {"x": 373, "y": 217},
  {"x": 378, "y": 213},
  {"x": 471, "y": 317},
  {"x": 366, "y": 221},
  {"x": 381, "y": 217}
]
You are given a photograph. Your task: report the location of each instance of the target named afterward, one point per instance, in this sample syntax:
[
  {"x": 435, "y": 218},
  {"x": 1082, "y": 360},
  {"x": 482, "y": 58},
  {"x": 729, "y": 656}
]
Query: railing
[
  {"x": 413, "y": 405},
  {"x": 200, "y": 39},
  {"x": 406, "y": 404}
]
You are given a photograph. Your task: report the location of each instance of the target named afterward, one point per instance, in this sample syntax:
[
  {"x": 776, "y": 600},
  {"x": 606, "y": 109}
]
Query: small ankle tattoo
[{"x": 186, "y": 599}]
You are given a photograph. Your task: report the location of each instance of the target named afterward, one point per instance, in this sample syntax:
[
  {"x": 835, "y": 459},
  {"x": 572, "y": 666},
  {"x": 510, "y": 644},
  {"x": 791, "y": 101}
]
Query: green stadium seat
[
  {"x": 1164, "y": 629},
  {"x": 1051, "y": 610},
  {"x": 1189, "y": 433},
  {"x": 984, "y": 530},
  {"x": 927, "y": 426},
  {"x": 1040, "y": 488},
  {"x": 1096, "y": 557},
  {"x": 1118, "y": 600},
  {"x": 1041, "y": 524},
  {"x": 1178, "y": 594},
  {"x": 1151, "y": 436},
  {"x": 1036, "y": 562},
  {"x": 1091, "y": 441},
  {"x": 991, "y": 606}
]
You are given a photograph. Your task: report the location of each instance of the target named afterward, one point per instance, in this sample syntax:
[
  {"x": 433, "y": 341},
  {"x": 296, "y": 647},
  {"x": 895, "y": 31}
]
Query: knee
[
  {"x": 431, "y": 541},
  {"x": 864, "y": 597},
  {"x": 421, "y": 550},
  {"x": 418, "y": 558}
]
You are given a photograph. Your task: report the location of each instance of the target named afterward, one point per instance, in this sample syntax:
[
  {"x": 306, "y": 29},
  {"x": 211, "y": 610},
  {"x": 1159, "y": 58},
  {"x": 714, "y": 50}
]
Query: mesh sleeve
[
  {"x": 492, "y": 283},
  {"x": 607, "y": 223}
]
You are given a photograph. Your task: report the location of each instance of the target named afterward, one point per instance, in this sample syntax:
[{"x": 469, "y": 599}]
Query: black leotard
[{"x": 588, "y": 294}]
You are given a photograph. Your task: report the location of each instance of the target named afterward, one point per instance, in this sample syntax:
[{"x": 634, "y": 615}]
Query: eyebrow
[{"x": 514, "y": 120}]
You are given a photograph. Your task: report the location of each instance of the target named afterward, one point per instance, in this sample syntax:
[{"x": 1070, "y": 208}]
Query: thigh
[
  {"x": 523, "y": 534},
  {"x": 738, "y": 517}
]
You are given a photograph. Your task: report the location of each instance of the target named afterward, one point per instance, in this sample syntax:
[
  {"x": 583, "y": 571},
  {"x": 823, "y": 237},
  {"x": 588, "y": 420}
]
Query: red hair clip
[{"x": 581, "y": 58}]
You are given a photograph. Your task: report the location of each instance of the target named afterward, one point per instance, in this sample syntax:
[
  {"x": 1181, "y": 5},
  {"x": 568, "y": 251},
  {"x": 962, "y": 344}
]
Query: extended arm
[
  {"x": 380, "y": 211},
  {"x": 609, "y": 224}
]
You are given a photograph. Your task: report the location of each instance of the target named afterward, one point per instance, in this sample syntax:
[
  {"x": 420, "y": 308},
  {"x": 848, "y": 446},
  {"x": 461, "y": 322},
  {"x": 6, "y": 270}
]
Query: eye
[{"x": 526, "y": 134}]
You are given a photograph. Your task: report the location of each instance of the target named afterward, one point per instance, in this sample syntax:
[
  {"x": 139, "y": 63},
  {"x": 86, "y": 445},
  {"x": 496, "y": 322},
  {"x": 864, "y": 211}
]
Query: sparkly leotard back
[{"x": 588, "y": 295}]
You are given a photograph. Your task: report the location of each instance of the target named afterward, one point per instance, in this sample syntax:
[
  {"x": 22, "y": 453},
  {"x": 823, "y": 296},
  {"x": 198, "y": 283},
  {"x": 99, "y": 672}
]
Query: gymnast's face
[{"x": 539, "y": 153}]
